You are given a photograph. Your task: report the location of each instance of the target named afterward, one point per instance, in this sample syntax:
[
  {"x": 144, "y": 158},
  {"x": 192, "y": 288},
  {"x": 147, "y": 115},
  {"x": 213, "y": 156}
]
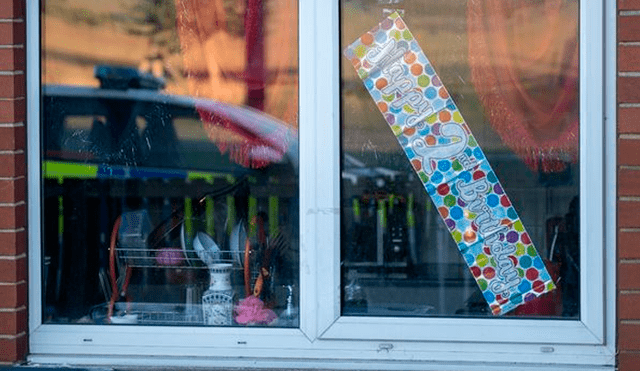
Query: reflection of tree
[
  {"x": 76, "y": 14},
  {"x": 154, "y": 19},
  {"x": 234, "y": 11},
  {"x": 241, "y": 52}
]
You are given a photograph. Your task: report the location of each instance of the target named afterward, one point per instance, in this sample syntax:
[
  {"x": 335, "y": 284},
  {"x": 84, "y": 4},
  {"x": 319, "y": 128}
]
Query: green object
[
  {"x": 209, "y": 204},
  {"x": 195, "y": 175},
  {"x": 273, "y": 215},
  {"x": 253, "y": 212},
  {"x": 231, "y": 212},
  {"x": 209, "y": 209},
  {"x": 60, "y": 170},
  {"x": 382, "y": 213},
  {"x": 188, "y": 218},
  {"x": 411, "y": 219},
  {"x": 356, "y": 207}
]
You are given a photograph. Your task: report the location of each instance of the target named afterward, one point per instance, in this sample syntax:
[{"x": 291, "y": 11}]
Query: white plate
[
  {"x": 237, "y": 239},
  {"x": 206, "y": 248},
  {"x": 183, "y": 244},
  {"x": 189, "y": 254}
]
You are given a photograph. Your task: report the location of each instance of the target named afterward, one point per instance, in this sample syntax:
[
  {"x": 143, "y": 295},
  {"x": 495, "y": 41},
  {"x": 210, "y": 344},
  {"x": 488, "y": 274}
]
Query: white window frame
[{"x": 325, "y": 339}]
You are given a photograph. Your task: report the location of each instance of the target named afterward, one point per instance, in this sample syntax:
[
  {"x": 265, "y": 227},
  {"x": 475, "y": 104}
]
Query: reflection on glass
[
  {"x": 511, "y": 67},
  {"x": 170, "y": 182}
]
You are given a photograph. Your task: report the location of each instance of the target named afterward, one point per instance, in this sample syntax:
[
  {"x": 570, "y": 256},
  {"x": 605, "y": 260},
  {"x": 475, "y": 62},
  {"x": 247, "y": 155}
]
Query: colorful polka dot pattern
[
  {"x": 450, "y": 164},
  {"x": 460, "y": 211}
]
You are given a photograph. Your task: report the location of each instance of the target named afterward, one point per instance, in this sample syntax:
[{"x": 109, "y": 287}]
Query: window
[
  {"x": 502, "y": 141},
  {"x": 169, "y": 193},
  {"x": 359, "y": 222}
]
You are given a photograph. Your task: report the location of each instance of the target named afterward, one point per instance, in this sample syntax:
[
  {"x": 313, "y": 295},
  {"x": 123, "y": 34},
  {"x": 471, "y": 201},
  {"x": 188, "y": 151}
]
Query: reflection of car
[
  {"x": 144, "y": 128},
  {"x": 126, "y": 146}
]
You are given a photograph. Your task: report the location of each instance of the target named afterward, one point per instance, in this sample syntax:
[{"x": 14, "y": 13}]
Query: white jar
[{"x": 217, "y": 301}]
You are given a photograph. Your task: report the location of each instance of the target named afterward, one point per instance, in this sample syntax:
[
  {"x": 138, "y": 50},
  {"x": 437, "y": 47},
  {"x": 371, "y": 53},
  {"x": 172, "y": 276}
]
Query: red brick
[
  {"x": 13, "y": 243},
  {"x": 629, "y": 152},
  {"x": 629, "y": 120},
  {"x": 628, "y": 182},
  {"x": 628, "y": 4},
  {"x": 12, "y": 138},
  {"x": 13, "y": 350},
  {"x": 12, "y": 59},
  {"x": 12, "y": 86},
  {"x": 12, "y": 191},
  {"x": 628, "y": 58},
  {"x": 628, "y": 89},
  {"x": 628, "y": 305},
  {"x": 13, "y": 270},
  {"x": 13, "y": 295},
  {"x": 629, "y": 276},
  {"x": 12, "y": 110},
  {"x": 12, "y": 9},
  {"x": 628, "y": 336},
  {"x": 628, "y": 361},
  {"x": 13, "y": 322},
  {"x": 12, "y": 164},
  {"x": 12, "y": 33},
  {"x": 629, "y": 28},
  {"x": 13, "y": 217},
  {"x": 629, "y": 245},
  {"x": 628, "y": 214}
]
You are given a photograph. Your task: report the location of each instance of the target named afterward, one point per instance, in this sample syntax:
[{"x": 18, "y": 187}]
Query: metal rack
[
  {"x": 170, "y": 257},
  {"x": 130, "y": 250},
  {"x": 160, "y": 314}
]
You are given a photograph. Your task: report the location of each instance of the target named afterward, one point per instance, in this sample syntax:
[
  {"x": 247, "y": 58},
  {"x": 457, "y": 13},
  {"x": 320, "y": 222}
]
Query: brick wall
[
  {"x": 629, "y": 185},
  {"x": 13, "y": 258}
]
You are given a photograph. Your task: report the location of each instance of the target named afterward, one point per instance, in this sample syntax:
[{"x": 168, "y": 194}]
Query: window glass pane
[
  {"x": 460, "y": 169},
  {"x": 169, "y": 157}
]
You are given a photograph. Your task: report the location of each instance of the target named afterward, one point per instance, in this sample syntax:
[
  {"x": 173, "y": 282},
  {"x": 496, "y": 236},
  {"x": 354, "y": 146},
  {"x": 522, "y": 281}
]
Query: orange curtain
[{"x": 524, "y": 66}]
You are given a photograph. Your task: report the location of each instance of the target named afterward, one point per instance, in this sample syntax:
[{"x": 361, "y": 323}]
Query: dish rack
[
  {"x": 129, "y": 250},
  {"x": 164, "y": 314},
  {"x": 166, "y": 257},
  {"x": 158, "y": 314},
  {"x": 135, "y": 249}
]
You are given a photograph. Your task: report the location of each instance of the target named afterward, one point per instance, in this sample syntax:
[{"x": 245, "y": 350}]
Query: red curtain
[{"x": 524, "y": 66}]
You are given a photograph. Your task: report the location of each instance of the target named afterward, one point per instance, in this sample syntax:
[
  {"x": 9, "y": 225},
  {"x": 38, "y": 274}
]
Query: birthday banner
[{"x": 450, "y": 164}]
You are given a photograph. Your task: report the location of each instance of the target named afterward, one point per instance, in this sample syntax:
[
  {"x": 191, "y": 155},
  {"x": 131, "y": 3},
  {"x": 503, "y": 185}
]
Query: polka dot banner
[{"x": 448, "y": 160}]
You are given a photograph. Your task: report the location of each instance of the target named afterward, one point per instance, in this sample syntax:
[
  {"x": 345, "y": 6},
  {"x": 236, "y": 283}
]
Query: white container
[{"x": 217, "y": 301}]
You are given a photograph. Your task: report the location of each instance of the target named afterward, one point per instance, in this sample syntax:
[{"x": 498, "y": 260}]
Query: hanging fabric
[{"x": 523, "y": 56}]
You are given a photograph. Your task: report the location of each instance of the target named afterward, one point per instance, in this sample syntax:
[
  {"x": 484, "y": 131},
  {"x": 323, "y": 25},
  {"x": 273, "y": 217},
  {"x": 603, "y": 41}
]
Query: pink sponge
[{"x": 251, "y": 310}]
